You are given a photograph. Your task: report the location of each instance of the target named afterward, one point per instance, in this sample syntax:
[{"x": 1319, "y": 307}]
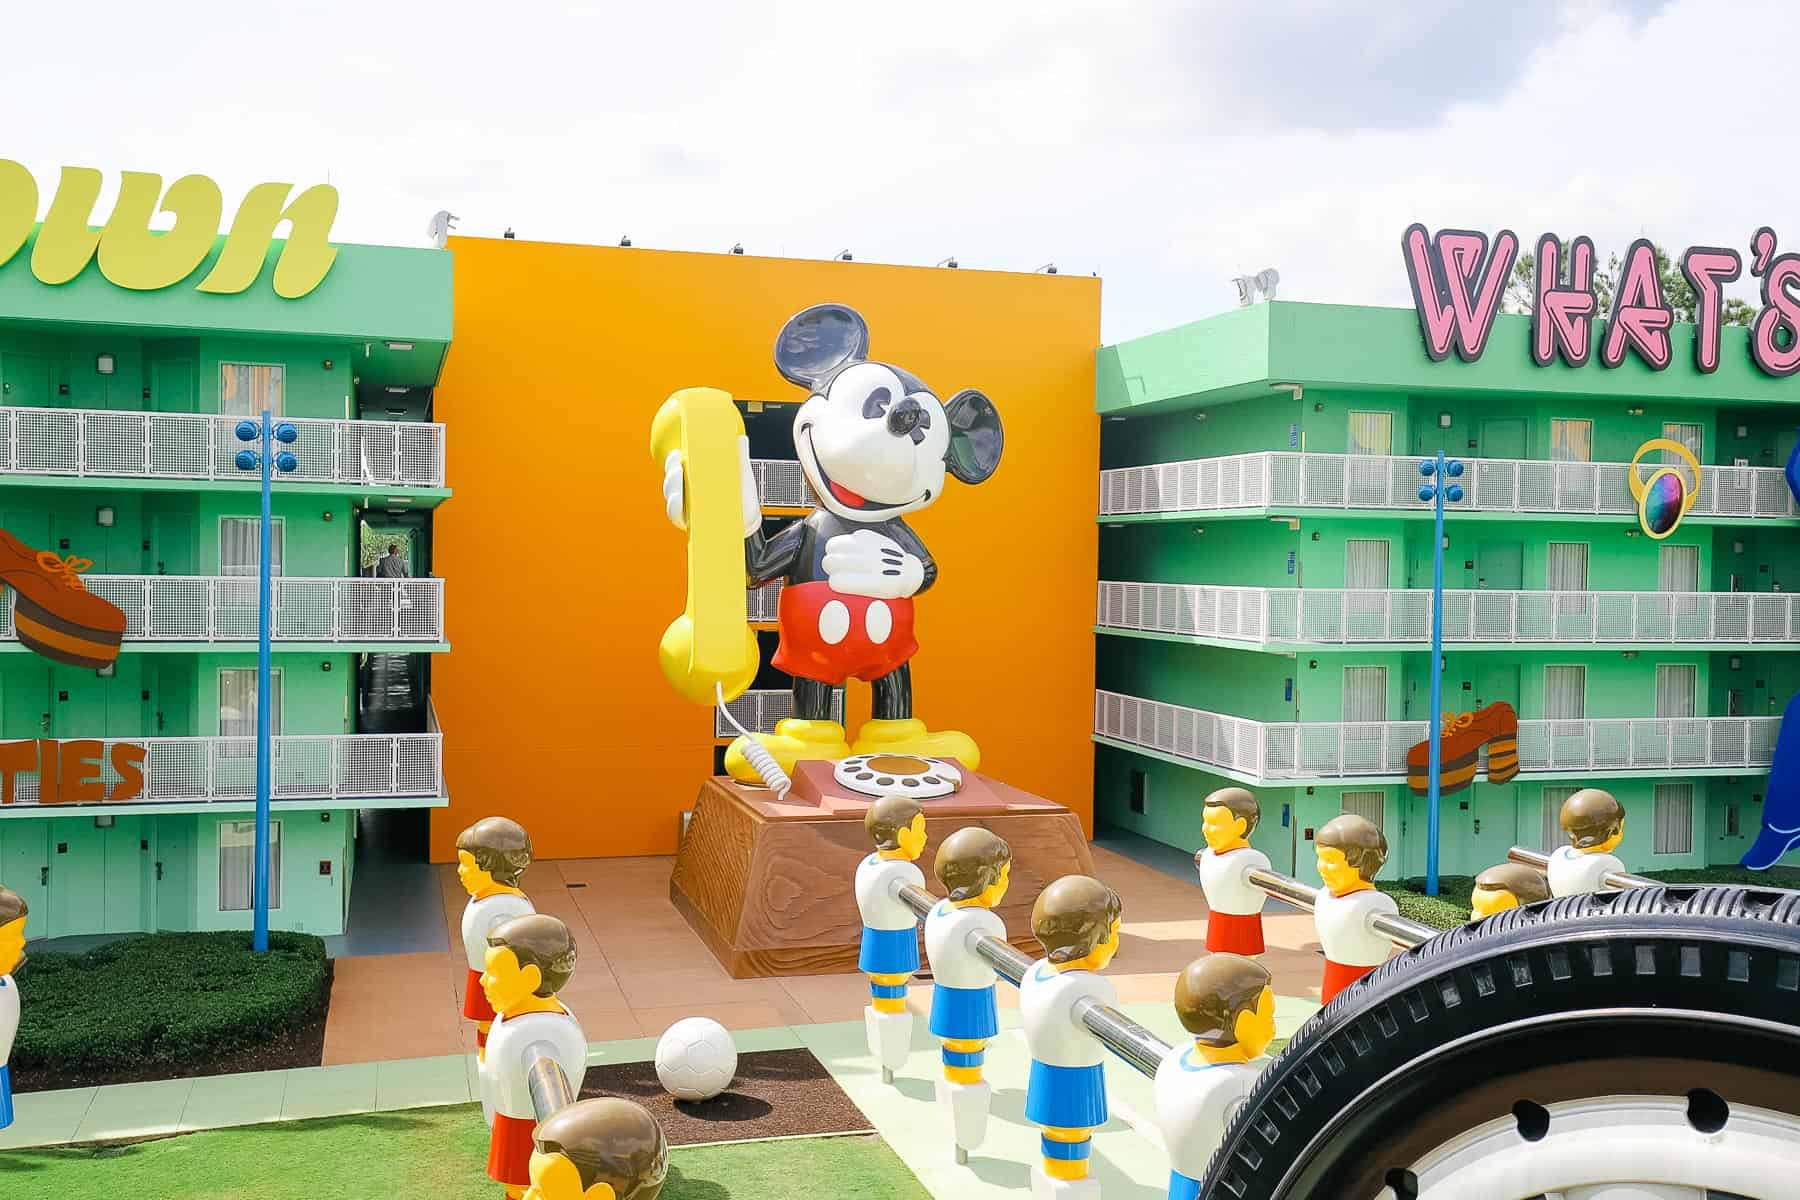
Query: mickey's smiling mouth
[{"x": 842, "y": 494}]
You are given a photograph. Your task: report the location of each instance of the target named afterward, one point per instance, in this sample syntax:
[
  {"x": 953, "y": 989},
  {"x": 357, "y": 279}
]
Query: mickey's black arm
[{"x": 767, "y": 558}]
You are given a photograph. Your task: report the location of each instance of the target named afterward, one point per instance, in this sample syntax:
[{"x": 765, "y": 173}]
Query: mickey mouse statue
[{"x": 874, "y": 444}]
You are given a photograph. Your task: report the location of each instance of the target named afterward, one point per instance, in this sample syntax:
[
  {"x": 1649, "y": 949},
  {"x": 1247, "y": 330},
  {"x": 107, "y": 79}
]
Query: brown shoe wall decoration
[
  {"x": 53, "y": 612},
  {"x": 1463, "y": 736}
]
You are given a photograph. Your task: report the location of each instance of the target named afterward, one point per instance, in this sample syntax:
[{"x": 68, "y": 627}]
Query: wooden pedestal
[{"x": 770, "y": 886}]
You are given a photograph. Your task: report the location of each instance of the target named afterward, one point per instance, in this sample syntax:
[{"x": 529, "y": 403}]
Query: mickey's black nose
[{"x": 908, "y": 419}]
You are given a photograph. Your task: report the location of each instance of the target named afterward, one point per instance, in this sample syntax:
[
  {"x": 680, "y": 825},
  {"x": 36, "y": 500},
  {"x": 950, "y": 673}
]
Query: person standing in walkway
[{"x": 391, "y": 565}]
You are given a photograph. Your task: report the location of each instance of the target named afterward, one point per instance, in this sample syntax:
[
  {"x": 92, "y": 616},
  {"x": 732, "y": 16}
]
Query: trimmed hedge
[
  {"x": 166, "y": 998},
  {"x": 1446, "y": 910}
]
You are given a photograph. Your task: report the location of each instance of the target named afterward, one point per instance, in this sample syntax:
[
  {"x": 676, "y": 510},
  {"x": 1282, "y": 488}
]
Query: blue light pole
[
  {"x": 251, "y": 460},
  {"x": 1437, "y": 492}
]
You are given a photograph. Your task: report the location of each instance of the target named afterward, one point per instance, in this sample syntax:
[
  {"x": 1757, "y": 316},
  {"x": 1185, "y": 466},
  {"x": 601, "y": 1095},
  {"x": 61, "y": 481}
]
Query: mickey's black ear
[
  {"x": 975, "y": 436},
  {"x": 818, "y": 341}
]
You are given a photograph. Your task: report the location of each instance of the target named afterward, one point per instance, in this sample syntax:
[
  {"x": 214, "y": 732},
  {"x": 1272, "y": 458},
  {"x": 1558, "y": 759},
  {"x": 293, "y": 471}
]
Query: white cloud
[{"x": 1167, "y": 146}]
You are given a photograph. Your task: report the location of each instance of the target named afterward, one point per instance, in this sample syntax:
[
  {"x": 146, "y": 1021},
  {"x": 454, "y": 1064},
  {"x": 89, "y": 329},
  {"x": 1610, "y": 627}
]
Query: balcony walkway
[
  {"x": 1258, "y": 752},
  {"x": 173, "y": 612},
  {"x": 115, "y": 444},
  {"x": 1279, "y": 482},
  {"x": 1401, "y": 618}
]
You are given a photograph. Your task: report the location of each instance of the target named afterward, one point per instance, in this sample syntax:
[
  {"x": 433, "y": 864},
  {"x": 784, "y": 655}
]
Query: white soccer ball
[{"x": 695, "y": 1059}]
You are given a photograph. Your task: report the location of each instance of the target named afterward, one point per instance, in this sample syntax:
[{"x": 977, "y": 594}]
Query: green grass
[
  {"x": 423, "y": 1153},
  {"x": 165, "y": 998},
  {"x": 1450, "y": 907}
]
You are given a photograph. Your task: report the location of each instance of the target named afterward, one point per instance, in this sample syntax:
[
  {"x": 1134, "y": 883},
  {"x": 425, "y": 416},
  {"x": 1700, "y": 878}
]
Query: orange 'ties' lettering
[
  {"x": 79, "y": 768},
  {"x": 70, "y": 772},
  {"x": 128, "y": 761},
  {"x": 15, "y": 757}
]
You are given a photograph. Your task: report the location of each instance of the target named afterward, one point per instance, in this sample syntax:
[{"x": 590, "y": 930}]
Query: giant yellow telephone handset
[{"x": 709, "y": 653}]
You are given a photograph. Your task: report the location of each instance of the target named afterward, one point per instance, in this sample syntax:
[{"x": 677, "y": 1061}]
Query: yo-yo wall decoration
[
  {"x": 54, "y": 613},
  {"x": 1667, "y": 495}
]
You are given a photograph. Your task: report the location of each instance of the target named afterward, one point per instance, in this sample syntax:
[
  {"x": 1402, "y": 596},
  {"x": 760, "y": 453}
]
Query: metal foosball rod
[
  {"x": 1400, "y": 930},
  {"x": 1141, "y": 1049},
  {"x": 550, "y": 1088},
  {"x": 1612, "y": 879}
]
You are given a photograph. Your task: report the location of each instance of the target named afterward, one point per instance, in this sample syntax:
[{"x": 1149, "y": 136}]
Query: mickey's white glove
[
  {"x": 867, "y": 563},
  {"x": 674, "y": 489}
]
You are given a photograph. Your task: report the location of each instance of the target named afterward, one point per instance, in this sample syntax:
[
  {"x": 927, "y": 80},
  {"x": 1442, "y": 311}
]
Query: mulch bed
[
  {"x": 777, "y": 1093},
  {"x": 303, "y": 1046}
]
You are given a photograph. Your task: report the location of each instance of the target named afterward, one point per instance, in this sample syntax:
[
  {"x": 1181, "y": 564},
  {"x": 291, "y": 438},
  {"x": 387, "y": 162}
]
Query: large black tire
[{"x": 1654, "y": 991}]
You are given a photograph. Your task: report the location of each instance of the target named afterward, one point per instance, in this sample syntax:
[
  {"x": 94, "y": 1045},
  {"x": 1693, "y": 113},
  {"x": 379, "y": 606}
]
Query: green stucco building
[
  {"x": 117, "y": 445},
  {"x": 1263, "y": 615}
]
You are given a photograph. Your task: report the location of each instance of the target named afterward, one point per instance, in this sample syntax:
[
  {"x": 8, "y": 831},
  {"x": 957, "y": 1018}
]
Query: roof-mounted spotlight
[
  {"x": 948, "y": 262},
  {"x": 1048, "y": 268},
  {"x": 841, "y": 256},
  {"x": 625, "y": 239},
  {"x": 737, "y": 247}
]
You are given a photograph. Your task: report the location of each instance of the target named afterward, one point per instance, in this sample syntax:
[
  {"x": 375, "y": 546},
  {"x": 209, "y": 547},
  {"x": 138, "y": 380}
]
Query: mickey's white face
[{"x": 870, "y": 449}]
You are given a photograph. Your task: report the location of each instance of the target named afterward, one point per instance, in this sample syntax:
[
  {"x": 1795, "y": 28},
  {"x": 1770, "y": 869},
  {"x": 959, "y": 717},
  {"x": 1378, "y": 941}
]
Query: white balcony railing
[
  {"x": 304, "y": 767},
  {"x": 1335, "y": 616},
  {"x": 781, "y": 484},
  {"x": 145, "y": 445},
  {"x": 765, "y": 602},
  {"x": 759, "y": 709},
  {"x": 1334, "y": 750},
  {"x": 222, "y": 608},
  {"x": 1287, "y": 479}
]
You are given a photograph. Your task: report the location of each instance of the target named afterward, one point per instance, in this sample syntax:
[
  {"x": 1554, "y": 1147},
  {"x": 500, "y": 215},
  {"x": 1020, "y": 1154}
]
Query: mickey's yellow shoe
[
  {"x": 794, "y": 740},
  {"x": 911, "y": 737}
]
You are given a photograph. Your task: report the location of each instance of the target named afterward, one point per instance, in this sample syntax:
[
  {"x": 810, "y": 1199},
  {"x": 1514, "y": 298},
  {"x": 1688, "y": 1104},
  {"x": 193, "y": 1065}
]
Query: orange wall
[{"x": 563, "y": 572}]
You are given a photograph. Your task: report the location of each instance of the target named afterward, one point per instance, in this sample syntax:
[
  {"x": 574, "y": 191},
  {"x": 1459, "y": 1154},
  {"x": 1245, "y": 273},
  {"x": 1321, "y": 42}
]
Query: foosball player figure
[
  {"x": 491, "y": 855},
  {"x": 12, "y": 955},
  {"x": 605, "y": 1149},
  {"x": 1595, "y": 823},
  {"x": 1228, "y": 1003},
  {"x": 890, "y": 936},
  {"x": 1076, "y": 919},
  {"x": 529, "y": 960},
  {"x": 1234, "y": 904},
  {"x": 1351, "y": 853},
  {"x": 1509, "y": 885},
  {"x": 975, "y": 867}
]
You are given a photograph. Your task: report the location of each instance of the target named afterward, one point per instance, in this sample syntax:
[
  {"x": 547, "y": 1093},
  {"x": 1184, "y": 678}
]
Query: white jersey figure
[
  {"x": 975, "y": 868},
  {"x": 491, "y": 855},
  {"x": 1234, "y": 904},
  {"x": 890, "y": 937},
  {"x": 1595, "y": 824},
  {"x": 12, "y": 953},
  {"x": 1227, "y": 1002},
  {"x": 529, "y": 960},
  {"x": 1351, "y": 853},
  {"x": 1076, "y": 919}
]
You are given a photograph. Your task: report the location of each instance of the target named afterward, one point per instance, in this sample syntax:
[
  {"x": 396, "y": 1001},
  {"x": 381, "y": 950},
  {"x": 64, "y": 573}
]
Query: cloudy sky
[{"x": 1165, "y": 145}]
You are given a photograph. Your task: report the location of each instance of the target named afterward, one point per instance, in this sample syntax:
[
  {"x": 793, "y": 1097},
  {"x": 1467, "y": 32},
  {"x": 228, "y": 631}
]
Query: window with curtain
[
  {"x": 1677, "y": 686},
  {"x": 1551, "y": 834},
  {"x": 237, "y": 865},
  {"x": 239, "y": 540},
  {"x": 1687, "y": 435},
  {"x": 1674, "y": 819},
  {"x": 1368, "y": 806},
  {"x": 246, "y": 389},
  {"x": 1571, "y": 441},
  {"x": 1365, "y": 694},
  {"x": 1366, "y": 563},
  {"x": 1567, "y": 570},
  {"x": 1371, "y": 433},
  {"x": 1565, "y": 693},
  {"x": 237, "y": 702},
  {"x": 1678, "y": 569}
]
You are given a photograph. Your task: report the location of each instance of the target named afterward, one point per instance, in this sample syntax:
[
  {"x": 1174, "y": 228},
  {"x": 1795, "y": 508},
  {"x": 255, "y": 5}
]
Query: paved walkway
[{"x": 641, "y": 968}]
